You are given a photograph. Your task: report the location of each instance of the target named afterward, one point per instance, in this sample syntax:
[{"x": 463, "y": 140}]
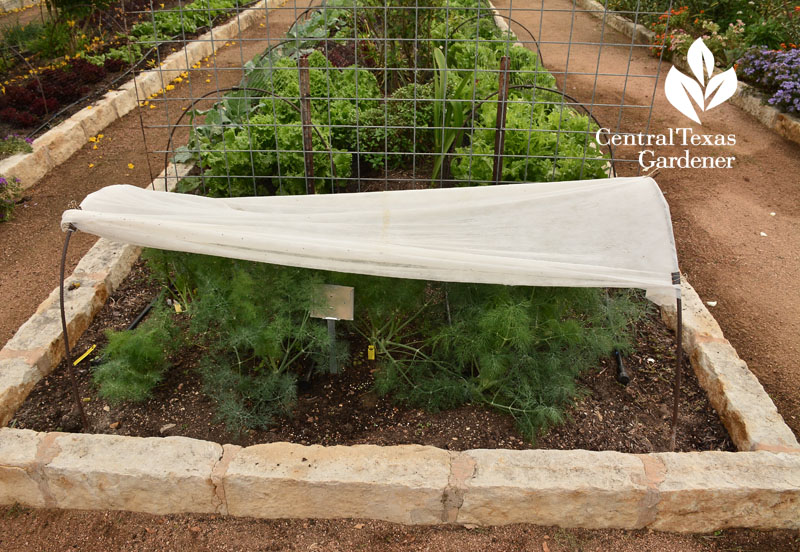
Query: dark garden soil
[{"x": 342, "y": 409}]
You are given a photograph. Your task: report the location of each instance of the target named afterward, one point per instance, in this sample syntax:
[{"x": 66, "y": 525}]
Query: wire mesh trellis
[{"x": 358, "y": 95}]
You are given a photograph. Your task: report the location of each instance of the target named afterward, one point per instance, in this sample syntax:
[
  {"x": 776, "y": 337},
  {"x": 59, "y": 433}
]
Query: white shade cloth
[{"x": 612, "y": 232}]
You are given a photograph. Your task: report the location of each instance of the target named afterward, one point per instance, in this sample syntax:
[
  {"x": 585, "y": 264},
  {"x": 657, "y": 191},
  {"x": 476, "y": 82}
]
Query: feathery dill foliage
[
  {"x": 438, "y": 346},
  {"x": 137, "y": 359},
  {"x": 515, "y": 349},
  {"x": 252, "y": 322}
]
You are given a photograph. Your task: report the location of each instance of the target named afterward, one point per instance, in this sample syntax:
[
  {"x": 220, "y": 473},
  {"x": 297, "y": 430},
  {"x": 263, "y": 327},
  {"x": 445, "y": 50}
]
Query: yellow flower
[
  {"x": 88, "y": 107},
  {"x": 208, "y": 80},
  {"x": 178, "y": 79},
  {"x": 92, "y": 139},
  {"x": 91, "y": 165},
  {"x": 130, "y": 165},
  {"x": 94, "y": 147},
  {"x": 99, "y": 136},
  {"x": 152, "y": 106},
  {"x": 170, "y": 86}
]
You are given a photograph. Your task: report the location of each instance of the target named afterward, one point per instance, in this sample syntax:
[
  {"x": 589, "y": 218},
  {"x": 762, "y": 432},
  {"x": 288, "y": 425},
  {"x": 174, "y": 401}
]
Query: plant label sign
[{"x": 333, "y": 303}]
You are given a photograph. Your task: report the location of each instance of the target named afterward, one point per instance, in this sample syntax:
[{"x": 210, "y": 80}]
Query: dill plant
[
  {"x": 515, "y": 349},
  {"x": 252, "y": 323},
  {"x": 136, "y": 360}
]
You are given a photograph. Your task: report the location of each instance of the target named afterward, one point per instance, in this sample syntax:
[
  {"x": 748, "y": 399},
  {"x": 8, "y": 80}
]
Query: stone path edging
[
  {"x": 635, "y": 31},
  {"x": 702, "y": 491},
  {"x": 747, "y": 98},
  {"x": 16, "y": 5},
  {"x": 58, "y": 144}
]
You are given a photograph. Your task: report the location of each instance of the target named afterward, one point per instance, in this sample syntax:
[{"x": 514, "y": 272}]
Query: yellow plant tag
[
  {"x": 371, "y": 352},
  {"x": 84, "y": 355},
  {"x": 177, "y": 306}
]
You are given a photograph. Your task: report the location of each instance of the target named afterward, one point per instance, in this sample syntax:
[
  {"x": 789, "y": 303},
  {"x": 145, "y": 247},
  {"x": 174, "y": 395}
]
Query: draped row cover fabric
[{"x": 613, "y": 232}]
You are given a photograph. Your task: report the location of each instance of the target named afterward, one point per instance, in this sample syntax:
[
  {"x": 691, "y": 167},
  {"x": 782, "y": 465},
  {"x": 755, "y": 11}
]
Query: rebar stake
[
  {"x": 500, "y": 130},
  {"x": 68, "y": 354},
  {"x": 305, "y": 116},
  {"x": 678, "y": 373}
]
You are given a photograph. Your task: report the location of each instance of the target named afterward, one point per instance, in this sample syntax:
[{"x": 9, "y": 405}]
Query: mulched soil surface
[{"x": 342, "y": 409}]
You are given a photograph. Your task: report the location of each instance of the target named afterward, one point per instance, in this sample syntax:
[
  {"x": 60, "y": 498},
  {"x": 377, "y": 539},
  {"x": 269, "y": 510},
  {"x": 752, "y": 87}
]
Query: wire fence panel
[{"x": 360, "y": 95}]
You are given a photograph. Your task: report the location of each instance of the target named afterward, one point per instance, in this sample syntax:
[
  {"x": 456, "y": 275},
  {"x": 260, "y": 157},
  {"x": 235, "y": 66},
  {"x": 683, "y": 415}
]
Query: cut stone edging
[
  {"x": 58, "y": 144},
  {"x": 635, "y": 31},
  {"x": 747, "y": 98},
  {"x": 16, "y": 5},
  {"x": 751, "y": 100},
  {"x": 410, "y": 484}
]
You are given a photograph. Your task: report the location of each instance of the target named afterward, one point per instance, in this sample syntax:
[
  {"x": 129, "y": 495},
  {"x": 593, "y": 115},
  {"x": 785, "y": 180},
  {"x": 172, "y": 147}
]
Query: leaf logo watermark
[{"x": 707, "y": 90}]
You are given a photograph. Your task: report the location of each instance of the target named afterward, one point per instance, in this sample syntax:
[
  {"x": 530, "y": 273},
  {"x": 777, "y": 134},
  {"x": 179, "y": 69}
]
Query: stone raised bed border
[
  {"x": 747, "y": 98},
  {"x": 702, "y": 491},
  {"x": 58, "y": 144},
  {"x": 758, "y": 487}
]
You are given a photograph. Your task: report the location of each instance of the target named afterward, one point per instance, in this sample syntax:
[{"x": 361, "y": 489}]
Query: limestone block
[
  {"x": 108, "y": 261},
  {"x": 698, "y": 324},
  {"x": 197, "y": 50},
  {"x": 17, "y": 378},
  {"x": 29, "y": 168},
  {"x": 41, "y": 335},
  {"x": 123, "y": 101},
  {"x": 788, "y": 126},
  {"x": 707, "y": 491},
  {"x": 62, "y": 141},
  {"x": 154, "y": 475},
  {"x": 741, "y": 402},
  {"x": 96, "y": 119},
  {"x": 575, "y": 488},
  {"x": 18, "y": 448},
  {"x": 145, "y": 84},
  {"x": 402, "y": 484}
]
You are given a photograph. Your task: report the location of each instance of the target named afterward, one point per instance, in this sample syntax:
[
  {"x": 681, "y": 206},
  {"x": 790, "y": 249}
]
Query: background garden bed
[{"x": 344, "y": 408}]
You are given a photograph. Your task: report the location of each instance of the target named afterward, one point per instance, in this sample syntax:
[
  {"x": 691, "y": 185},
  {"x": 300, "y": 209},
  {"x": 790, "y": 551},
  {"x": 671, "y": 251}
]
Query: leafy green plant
[
  {"x": 542, "y": 143},
  {"x": 188, "y": 19},
  {"x": 449, "y": 114},
  {"x": 13, "y": 144},
  {"x": 399, "y": 128},
  {"x": 253, "y": 321},
  {"x": 10, "y": 191}
]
